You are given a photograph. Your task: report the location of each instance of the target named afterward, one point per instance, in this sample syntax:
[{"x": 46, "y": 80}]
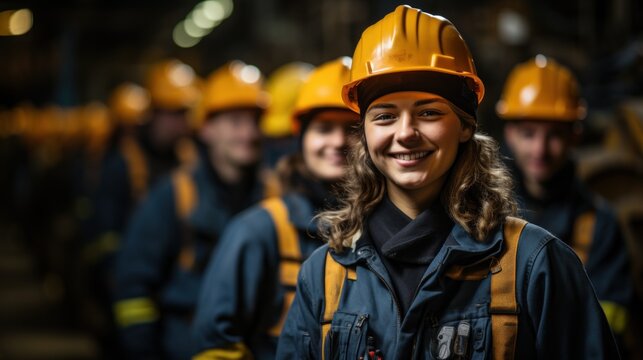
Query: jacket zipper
[{"x": 390, "y": 289}]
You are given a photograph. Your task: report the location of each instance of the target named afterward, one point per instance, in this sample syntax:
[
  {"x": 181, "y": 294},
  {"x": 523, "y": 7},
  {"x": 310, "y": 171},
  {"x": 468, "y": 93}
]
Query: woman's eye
[
  {"x": 383, "y": 117},
  {"x": 430, "y": 113}
]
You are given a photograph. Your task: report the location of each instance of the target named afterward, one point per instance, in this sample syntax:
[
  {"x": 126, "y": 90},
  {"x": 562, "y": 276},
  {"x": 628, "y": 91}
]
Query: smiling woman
[{"x": 439, "y": 268}]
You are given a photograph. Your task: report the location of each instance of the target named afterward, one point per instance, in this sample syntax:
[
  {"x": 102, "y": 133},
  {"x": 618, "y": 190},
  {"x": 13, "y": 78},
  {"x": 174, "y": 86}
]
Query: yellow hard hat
[
  {"x": 541, "y": 89},
  {"x": 235, "y": 85},
  {"x": 323, "y": 89},
  {"x": 129, "y": 103},
  {"x": 283, "y": 86},
  {"x": 409, "y": 40},
  {"x": 172, "y": 85}
]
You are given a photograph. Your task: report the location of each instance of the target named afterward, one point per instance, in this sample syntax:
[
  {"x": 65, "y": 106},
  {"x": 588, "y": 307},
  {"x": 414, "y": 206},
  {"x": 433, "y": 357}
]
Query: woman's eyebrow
[
  {"x": 428, "y": 101},
  {"x": 382, "y": 106}
]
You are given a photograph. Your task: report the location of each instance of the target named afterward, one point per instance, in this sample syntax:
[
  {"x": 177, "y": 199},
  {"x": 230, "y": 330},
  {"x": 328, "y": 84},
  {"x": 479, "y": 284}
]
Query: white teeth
[{"x": 411, "y": 156}]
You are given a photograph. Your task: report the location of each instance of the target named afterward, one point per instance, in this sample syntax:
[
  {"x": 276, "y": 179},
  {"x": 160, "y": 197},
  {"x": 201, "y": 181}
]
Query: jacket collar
[{"x": 459, "y": 249}]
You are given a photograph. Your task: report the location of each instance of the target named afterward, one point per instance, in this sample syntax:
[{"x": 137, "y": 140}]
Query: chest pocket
[
  {"x": 458, "y": 338},
  {"x": 346, "y": 338}
]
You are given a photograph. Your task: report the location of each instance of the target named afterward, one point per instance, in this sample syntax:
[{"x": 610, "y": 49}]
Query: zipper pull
[{"x": 360, "y": 321}]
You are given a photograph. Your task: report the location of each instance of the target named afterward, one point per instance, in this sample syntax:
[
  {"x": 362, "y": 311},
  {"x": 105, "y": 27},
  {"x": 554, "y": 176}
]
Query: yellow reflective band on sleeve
[
  {"x": 238, "y": 351},
  {"x": 135, "y": 311},
  {"x": 616, "y": 316}
]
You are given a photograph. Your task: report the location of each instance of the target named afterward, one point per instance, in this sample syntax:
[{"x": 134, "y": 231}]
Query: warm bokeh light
[{"x": 15, "y": 22}]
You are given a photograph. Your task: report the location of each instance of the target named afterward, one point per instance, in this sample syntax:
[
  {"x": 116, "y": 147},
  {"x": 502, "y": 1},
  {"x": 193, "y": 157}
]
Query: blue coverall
[
  {"x": 160, "y": 267},
  {"x": 560, "y": 316},
  {"x": 242, "y": 296}
]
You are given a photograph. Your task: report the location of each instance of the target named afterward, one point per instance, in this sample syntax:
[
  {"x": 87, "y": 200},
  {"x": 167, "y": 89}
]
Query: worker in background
[
  {"x": 141, "y": 154},
  {"x": 283, "y": 85},
  {"x": 249, "y": 283},
  {"x": 168, "y": 242},
  {"x": 542, "y": 112},
  {"x": 113, "y": 180}
]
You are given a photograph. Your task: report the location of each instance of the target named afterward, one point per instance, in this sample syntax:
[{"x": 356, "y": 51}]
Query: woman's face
[
  {"x": 325, "y": 142},
  {"x": 413, "y": 139}
]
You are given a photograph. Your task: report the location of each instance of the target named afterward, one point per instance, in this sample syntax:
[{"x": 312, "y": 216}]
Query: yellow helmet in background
[
  {"x": 172, "y": 85},
  {"x": 541, "y": 89},
  {"x": 409, "y": 40},
  {"x": 129, "y": 103},
  {"x": 323, "y": 89},
  {"x": 283, "y": 85},
  {"x": 235, "y": 85}
]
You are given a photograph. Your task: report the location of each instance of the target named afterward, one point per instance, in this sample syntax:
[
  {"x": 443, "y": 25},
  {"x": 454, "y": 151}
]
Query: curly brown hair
[{"x": 478, "y": 193}]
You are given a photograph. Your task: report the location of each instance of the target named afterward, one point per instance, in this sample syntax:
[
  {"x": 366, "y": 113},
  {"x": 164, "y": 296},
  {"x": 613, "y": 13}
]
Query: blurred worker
[
  {"x": 141, "y": 154},
  {"x": 169, "y": 240},
  {"x": 114, "y": 177},
  {"x": 250, "y": 281},
  {"x": 542, "y": 110},
  {"x": 283, "y": 86}
]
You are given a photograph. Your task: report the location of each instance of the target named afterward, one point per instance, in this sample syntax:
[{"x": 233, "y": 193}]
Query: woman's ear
[{"x": 466, "y": 134}]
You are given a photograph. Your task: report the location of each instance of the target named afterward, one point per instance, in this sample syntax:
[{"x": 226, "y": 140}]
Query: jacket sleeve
[
  {"x": 140, "y": 269},
  {"x": 301, "y": 335},
  {"x": 238, "y": 296},
  {"x": 608, "y": 268},
  {"x": 561, "y": 310}
]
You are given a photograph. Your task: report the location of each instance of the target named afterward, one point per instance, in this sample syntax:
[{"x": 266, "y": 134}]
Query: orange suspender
[
  {"x": 504, "y": 307},
  {"x": 136, "y": 166},
  {"x": 583, "y": 234},
  {"x": 289, "y": 254}
]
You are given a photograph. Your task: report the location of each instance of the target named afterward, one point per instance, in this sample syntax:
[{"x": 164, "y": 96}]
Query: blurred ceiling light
[
  {"x": 193, "y": 30},
  {"x": 181, "y": 38},
  {"x": 16, "y": 22},
  {"x": 213, "y": 10},
  {"x": 201, "y": 20},
  {"x": 21, "y": 22},
  {"x": 512, "y": 28},
  {"x": 228, "y": 7}
]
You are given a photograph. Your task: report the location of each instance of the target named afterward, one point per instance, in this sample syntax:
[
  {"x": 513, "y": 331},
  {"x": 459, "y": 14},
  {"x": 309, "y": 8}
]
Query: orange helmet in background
[
  {"x": 172, "y": 85},
  {"x": 322, "y": 90},
  {"x": 129, "y": 103},
  {"x": 235, "y": 85},
  {"x": 409, "y": 40},
  {"x": 541, "y": 89},
  {"x": 283, "y": 85}
]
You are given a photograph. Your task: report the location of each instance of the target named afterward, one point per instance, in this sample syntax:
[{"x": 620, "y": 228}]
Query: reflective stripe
[
  {"x": 616, "y": 316},
  {"x": 583, "y": 235},
  {"x": 135, "y": 311},
  {"x": 504, "y": 307},
  {"x": 289, "y": 254},
  {"x": 104, "y": 245},
  {"x": 238, "y": 351}
]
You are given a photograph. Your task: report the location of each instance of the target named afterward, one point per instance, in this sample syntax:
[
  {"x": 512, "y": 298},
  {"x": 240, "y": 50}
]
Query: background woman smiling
[{"x": 423, "y": 259}]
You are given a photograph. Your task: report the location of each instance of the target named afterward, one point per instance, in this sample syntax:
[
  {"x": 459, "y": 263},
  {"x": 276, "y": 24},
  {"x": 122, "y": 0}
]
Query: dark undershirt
[{"x": 407, "y": 246}]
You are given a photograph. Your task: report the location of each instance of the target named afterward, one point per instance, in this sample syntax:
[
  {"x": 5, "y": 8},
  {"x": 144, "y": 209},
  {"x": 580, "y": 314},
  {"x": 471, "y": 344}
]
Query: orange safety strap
[
  {"x": 136, "y": 166},
  {"x": 504, "y": 307},
  {"x": 185, "y": 193},
  {"x": 289, "y": 254},
  {"x": 185, "y": 200},
  {"x": 583, "y": 234},
  {"x": 334, "y": 276},
  {"x": 187, "y": 153}
]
